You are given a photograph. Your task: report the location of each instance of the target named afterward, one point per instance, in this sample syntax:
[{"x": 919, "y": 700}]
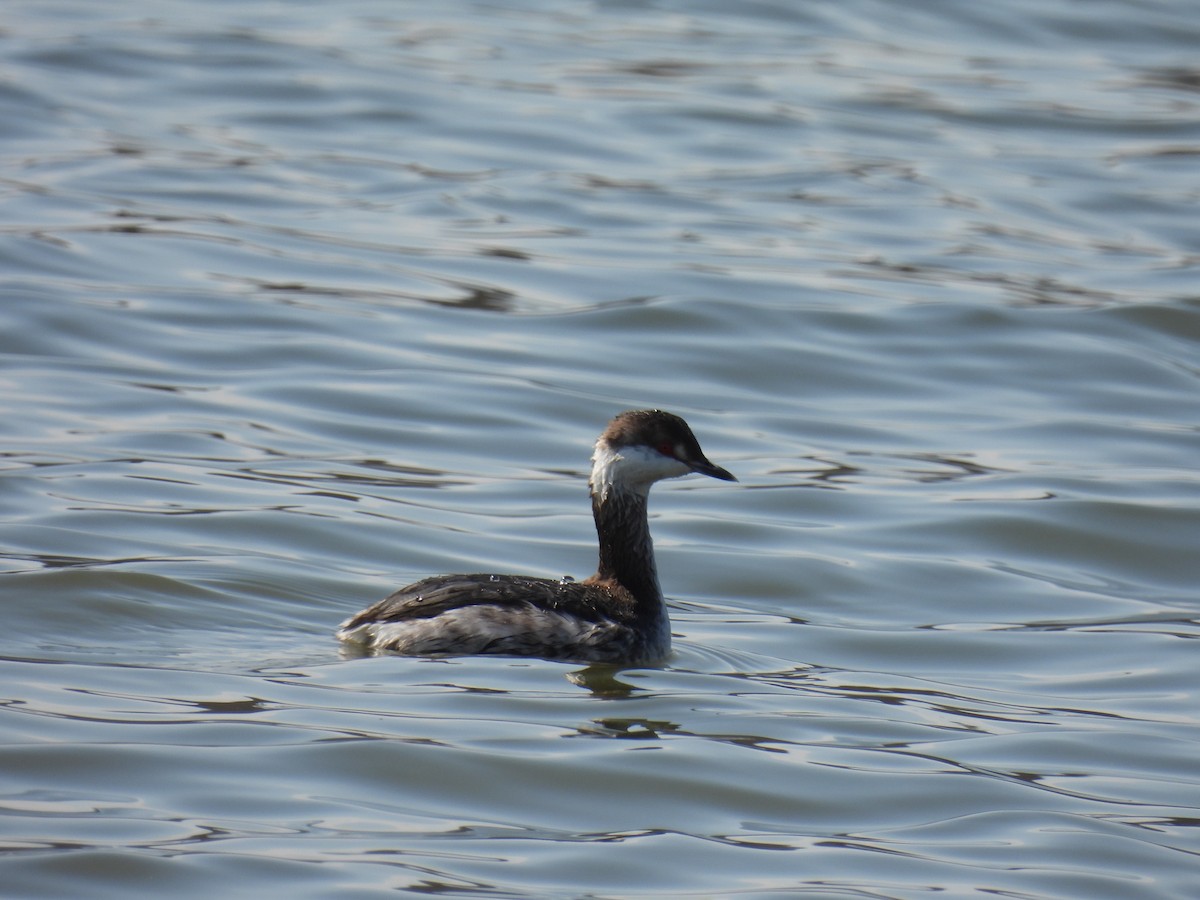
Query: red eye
[{"x": 666, "y": 449}]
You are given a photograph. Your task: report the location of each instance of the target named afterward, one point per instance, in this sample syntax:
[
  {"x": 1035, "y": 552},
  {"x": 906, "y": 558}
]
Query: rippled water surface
[{"x": 303, "y": 301}]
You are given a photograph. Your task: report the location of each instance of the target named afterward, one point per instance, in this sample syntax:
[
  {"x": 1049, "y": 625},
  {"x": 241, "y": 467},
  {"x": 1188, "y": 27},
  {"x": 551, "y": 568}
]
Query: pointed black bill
[{"x": 704, "y": 467}]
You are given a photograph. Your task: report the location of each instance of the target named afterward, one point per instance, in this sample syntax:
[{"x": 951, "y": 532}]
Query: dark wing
[{"x": 433, "y": 596}]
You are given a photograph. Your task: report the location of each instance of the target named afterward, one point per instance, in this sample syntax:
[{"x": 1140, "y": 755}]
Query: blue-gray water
[{"x": 303, "y": 301}]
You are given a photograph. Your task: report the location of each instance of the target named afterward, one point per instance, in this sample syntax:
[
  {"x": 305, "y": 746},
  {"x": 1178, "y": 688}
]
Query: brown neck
[{"x": 626, "y": 552}]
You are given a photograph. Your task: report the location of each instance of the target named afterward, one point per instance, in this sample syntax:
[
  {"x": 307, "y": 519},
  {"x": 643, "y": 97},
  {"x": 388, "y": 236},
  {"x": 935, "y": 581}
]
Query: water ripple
[{"x": 300, "y": 306}]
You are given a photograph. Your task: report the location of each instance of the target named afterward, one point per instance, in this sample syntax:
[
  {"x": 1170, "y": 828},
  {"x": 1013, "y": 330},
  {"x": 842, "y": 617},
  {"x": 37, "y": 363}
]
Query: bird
[{"x": 616, "y": 616}]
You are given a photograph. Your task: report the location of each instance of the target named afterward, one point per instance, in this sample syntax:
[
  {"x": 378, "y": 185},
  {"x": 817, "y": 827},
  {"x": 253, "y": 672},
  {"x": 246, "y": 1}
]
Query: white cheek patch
[{"x": 635, "y": 468}]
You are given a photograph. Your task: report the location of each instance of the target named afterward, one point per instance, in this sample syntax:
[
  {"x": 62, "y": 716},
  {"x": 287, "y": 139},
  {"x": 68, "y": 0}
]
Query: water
[{"x": 303, "y": 301}]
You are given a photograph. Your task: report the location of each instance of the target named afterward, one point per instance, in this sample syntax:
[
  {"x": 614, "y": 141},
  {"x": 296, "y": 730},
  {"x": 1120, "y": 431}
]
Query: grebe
[{"x": 615, "y": 616}]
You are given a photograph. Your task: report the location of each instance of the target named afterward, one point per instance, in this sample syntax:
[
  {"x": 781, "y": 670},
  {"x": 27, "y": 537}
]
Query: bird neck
[{"x": 626, "y": 551}]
